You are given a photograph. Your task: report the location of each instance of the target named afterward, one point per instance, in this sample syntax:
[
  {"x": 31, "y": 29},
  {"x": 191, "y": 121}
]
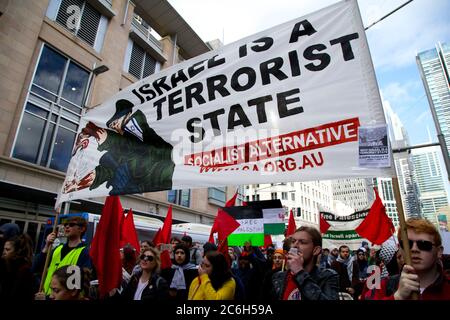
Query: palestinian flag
[
  {"x": 251, "y": 227},
  {"x": 273, "y": 214},
  {"x": 341, "y": 230}
]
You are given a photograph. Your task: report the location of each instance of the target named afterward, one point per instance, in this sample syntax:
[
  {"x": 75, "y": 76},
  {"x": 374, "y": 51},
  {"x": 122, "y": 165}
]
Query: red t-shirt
[{"x": 291, "y": 292}]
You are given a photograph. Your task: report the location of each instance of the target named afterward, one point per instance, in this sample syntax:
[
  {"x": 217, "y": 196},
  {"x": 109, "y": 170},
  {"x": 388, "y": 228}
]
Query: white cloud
[
  {"x": 400, "y": 92},
  {"x": 393, "y": 42}
]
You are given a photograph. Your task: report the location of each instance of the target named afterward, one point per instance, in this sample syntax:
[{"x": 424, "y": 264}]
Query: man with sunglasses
[
  {"x": 73, "y": 252},
  {"x": 425, "y": 275}
]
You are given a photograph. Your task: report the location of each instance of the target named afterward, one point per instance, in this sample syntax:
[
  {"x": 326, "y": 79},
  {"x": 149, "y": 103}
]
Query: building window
[
  {"x": 255, "y": 197},
  {"x": 181, "y": 197},
  {"x": 91, "y": 25},
  {"x": 293, "y": 196},
  {"x": 140, "y": 63},
  {"x": 274, "y": 196},
  {"x": 284, "y": 196},
  {"x": 241, "y": 196},
  {"x": 217, "y": 195},
  {"x": 52, "y": 112}
]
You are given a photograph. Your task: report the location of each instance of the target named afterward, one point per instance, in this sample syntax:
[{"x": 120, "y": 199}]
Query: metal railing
[{"x": 146, "y": 34}]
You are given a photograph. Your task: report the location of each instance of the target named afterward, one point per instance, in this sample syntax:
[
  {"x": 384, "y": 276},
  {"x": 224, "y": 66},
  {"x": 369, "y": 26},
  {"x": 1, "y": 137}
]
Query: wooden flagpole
[
  {"x": 403, "y": 230},
  {"x": 48, "y": 245}
]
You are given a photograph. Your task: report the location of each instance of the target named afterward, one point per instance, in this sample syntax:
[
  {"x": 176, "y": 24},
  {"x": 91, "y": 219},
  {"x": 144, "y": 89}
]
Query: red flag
[
  {"x": 163, "y": 237},
  {"x": 291, "y": 225},
  {"x": 377, "y": 227},
  {"x": 129, "y": 234},
  {"x": 105, "y": 248},
  {"x": 324, "y": 225},
  {"x": 156, "y": 238},
  {"x": 223, "y": 248},
  {"x": 224, "y": 224},
  {"x": 267, "y": 240},
  {"x": 166, "y": 231}
]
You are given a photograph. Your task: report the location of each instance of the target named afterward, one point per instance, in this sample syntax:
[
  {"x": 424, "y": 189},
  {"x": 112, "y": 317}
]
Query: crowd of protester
[{"x": 300, "y": 270}]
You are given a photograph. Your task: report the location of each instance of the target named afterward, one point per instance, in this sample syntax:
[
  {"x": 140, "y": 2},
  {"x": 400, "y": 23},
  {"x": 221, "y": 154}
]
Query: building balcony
[
  {"x": 104, "y": 7},
  {"x": 142, "y": 36}
]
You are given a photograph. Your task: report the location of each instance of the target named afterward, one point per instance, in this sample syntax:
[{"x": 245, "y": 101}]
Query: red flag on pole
[
  {"x": 129, "y": 233},
  {"x": 166, "y": 230},
  {"x": 324, "y": 225},
  {"x": 163, "y": 237},
  {"x": 377, "y": 227},
  {"x": 224, "y": 224},
  {"x": 105, "y": 248},
  {"x": 156, "y": 238},
  {"x": 267, "y": 240},
  {"x": 291, "y": 225}
]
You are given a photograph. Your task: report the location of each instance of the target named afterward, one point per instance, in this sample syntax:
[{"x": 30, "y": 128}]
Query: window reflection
[
  {"x": 75, "y": 84},
  {"x": 29, "y": 138},
  {"x": 47, "y": 138},
  {"x": 62, "y": 149},
  {"x": 50, "y": 70}
]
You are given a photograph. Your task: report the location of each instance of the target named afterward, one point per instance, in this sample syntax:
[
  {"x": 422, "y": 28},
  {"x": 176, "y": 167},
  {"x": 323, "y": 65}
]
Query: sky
[{"x": 394, "y": 42}]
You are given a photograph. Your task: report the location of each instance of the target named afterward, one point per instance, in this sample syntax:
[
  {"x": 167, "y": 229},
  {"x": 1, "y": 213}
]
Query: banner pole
[
  {"x": 403, "y": 230},
  {"x": 48, "y": 245}
]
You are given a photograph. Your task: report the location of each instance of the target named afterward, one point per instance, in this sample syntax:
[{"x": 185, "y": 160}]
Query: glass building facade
[{"x": 434, "y": 66}]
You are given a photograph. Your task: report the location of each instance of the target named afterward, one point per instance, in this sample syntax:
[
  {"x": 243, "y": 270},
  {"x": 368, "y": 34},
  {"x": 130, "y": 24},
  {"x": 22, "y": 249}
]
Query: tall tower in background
[
  {"x": 429, "y": 167},
  {"x": 434, "y": 67},
  {"x": 404, "y": 168}
]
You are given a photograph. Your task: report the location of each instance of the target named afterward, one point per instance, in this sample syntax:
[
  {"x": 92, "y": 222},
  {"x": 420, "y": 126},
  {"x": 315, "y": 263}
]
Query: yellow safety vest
[{"x": 70, "y": 259}]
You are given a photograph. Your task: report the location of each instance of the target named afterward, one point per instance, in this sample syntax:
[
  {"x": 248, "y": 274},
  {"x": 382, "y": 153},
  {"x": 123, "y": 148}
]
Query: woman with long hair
[
  {"x": 181, "y": 274},
  {"x": 214, "y": 281},
  {"x": 16, "y": 277},
  {"x": 147, "y": 284}
]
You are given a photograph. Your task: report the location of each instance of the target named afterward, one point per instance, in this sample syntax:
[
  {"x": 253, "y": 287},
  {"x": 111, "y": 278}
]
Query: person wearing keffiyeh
[{"x": 181, "y": 274}]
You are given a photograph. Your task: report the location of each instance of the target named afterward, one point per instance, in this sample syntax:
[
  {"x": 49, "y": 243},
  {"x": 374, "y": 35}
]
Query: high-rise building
[
  {"x": 404, "y": 168},
  {"x": 386, "y": 192},
  {"x": 428, "y": 164},
  {"x": 355, "y": 193},
  {"x": 434, "y": 67},
  {"x": 59, "y": 57}
]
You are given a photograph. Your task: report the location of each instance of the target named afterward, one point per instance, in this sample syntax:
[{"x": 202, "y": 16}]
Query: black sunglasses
[
  {"x": 423, "y": 245},
  {"x": 71, "y": 224},
  {"x": 147, "y": 258}
]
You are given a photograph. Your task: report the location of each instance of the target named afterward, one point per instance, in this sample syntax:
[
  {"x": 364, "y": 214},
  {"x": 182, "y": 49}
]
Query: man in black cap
[{"x": 134, "y": 124}]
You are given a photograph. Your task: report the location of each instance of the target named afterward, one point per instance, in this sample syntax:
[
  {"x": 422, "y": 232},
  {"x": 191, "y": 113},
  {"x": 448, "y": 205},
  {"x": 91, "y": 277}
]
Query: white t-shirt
[{"x": 141, "y": 286}]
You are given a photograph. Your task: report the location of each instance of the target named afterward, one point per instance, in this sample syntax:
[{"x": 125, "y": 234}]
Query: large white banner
[{"x": 282, "y": 105}]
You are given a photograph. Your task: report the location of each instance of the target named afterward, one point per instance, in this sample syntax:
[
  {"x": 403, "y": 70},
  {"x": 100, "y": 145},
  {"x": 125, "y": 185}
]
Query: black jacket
[
  {"x": 317, "y": 285},
  {"x": 189, "y": 276},
  {"x": 156, "y": 289}
]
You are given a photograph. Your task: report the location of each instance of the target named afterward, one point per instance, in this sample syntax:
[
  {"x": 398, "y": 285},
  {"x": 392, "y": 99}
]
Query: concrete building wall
[{"x": 24, "y": 29}]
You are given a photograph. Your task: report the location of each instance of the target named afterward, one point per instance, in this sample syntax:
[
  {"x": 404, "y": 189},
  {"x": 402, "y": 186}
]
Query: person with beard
[
  {"x": 181, "y": 274},
  {"x": 425, "y": 275},
  {"x": 16, "y": 278},
  {"x": 303, "y": 280},
  {"x": 343, "y": 265},
  {"x": 360, "y": 266}
]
